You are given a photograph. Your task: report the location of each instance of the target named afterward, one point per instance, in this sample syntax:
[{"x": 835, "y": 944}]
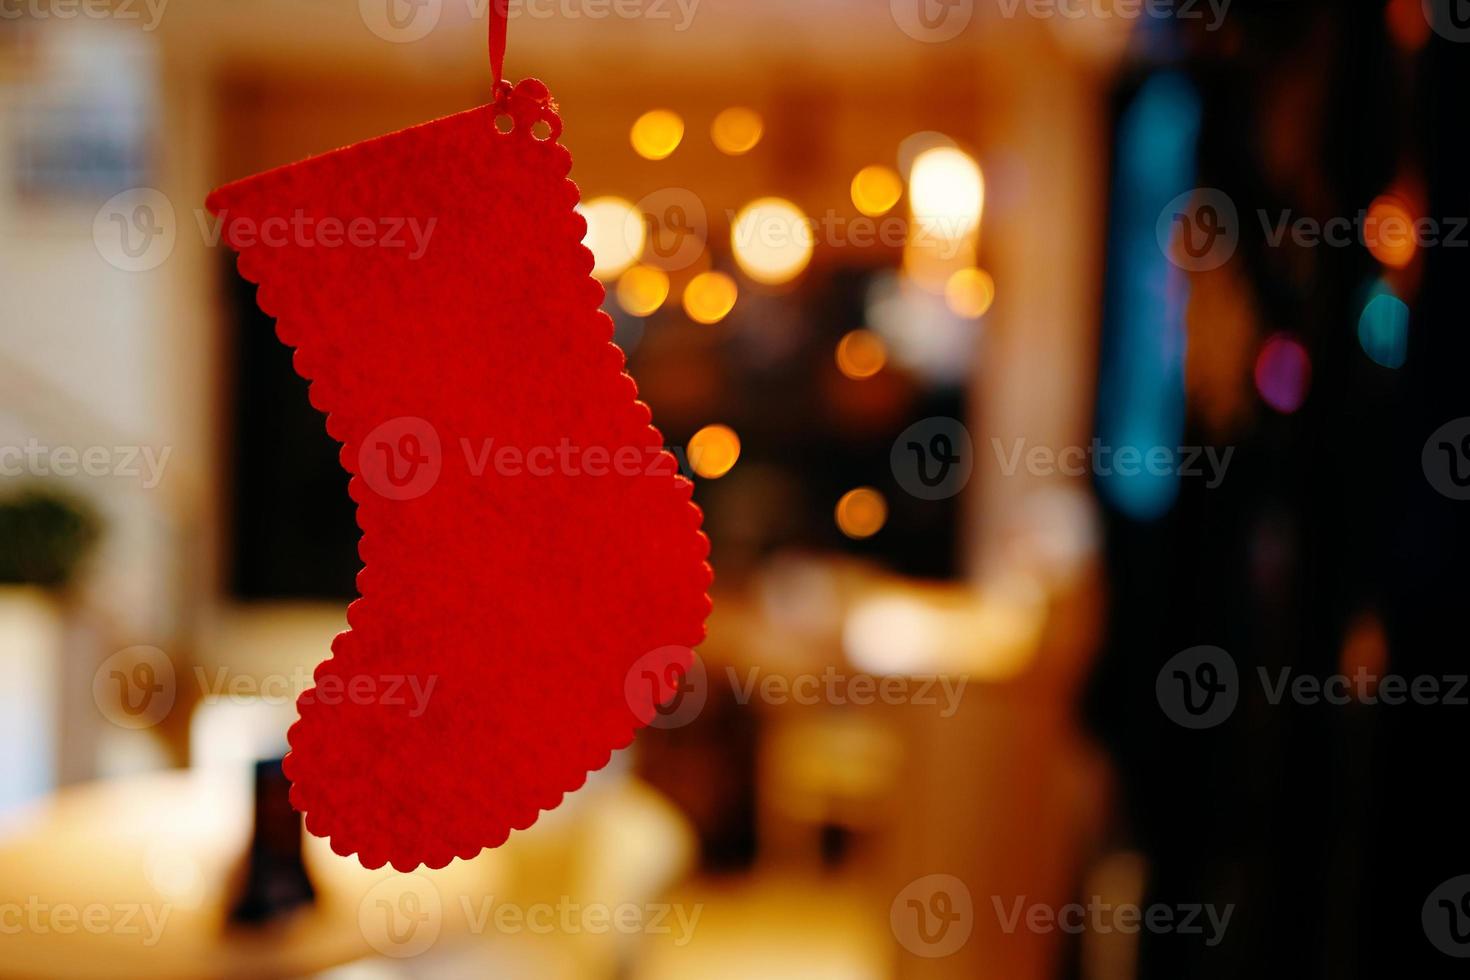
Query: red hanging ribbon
[{"x": 497, "y": 38}]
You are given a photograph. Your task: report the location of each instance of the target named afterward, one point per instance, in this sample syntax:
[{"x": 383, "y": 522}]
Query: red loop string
[{"x": 497, "y": 39}]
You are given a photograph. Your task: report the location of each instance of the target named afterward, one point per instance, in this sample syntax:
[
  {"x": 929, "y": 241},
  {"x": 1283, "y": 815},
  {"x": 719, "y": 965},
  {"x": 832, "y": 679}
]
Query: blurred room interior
[{"x": 790, "y": 824}]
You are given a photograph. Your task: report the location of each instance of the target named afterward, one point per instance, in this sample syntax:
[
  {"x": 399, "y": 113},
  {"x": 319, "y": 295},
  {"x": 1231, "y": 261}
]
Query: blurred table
[{"x": 135, "y": 877}]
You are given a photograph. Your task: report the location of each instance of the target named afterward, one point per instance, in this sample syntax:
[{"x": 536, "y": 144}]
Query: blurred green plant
[{"x": 44, "y": 536}]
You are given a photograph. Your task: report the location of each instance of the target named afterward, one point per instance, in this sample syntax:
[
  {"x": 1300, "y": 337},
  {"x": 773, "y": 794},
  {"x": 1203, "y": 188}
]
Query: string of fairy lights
[{"x": 773, "y": 242}]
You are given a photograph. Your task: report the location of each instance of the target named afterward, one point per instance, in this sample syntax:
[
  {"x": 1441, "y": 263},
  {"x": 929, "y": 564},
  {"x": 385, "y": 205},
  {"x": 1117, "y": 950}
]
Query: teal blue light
[
  {"x": 1141, "y": 375},
  {"x": 1383, "y": 327}
]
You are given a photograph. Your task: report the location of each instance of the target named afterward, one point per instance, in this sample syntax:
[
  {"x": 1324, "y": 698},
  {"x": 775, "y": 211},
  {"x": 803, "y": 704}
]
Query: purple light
[{"x": 1283, "y": 373}]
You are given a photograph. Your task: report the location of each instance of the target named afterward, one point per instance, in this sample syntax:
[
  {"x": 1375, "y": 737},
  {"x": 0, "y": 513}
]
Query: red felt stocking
[{"x": 534, "y": 575}]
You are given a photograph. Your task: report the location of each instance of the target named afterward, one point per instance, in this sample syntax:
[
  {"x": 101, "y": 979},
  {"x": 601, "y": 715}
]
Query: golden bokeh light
[
  {"x": 1390, "y": 232},
  {"x": 737, "y": 130},
  {"x": 772, "y": 240},
  {"x": 946, "y": 192},
  {"x": 643, "y": 289},
  {"x": 615, "y": 234},
  {"x": 657, "y": 133},
  {"x": 713, "y": 451},
  {"x": 876, "y": 189},
  {"x": 969, "y": 293},
  {"x": 709, "y": 297},
  {"x": 861, "y": 354},
  {"x": 861, "y": 513}
]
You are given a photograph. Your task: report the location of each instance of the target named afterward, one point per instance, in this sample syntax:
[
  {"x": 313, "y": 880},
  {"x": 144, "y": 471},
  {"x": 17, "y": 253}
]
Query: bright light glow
[
  {"x": 709, "y": 297},
  {"x": 861, "y": 513},
  {"x": 1283, "y": 373},
  {"x": 615, "y": 234},
  {"x": 643, "y": 289},
  {"x": 970, "y": 292},
  {"x": 920, "y": 332},
  {"x": 1383, "y": 327},
  {"x": 861, "y": 354},
  {"x": 876, "y": 189},
  {"x": 946, "y": 192},
  {"x": 737, "y": 130},
  {"x": 713, "y": 451},
  {"x": 772, "y": 240},
  {"x": 916, "y": 143},
  {"x": 1364, "y": 649},
  {"x": 892, "y": 635},
  {"x": 657, "y": 133},
  {"x": 174, "y": 873},
  {"x": 1390, "y": 232},
  {"x": 916, "y": 629}
]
